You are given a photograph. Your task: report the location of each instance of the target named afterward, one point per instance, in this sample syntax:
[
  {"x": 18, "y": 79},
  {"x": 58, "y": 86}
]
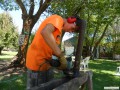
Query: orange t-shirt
[{"x": 39, "y": 51}]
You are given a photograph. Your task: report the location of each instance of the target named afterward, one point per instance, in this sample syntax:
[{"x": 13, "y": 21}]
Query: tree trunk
[
  {"x": 23, "y": 43},
  {"x": 1, "y": 48},
  {"x": 98, "y": 42}
]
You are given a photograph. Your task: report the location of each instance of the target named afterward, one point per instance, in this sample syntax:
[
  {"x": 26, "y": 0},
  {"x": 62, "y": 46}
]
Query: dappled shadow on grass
[
  {"x": 4, "y": 64},
  {"x": 104, "y": 65},
  {"x": 13, "y": 78},
  {"x": 103, "y": 74},
  {"x": 101, "y": 80}
]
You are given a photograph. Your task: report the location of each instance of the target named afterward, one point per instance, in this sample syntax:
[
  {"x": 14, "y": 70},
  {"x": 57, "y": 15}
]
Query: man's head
[{"x": 72, "y": 24}]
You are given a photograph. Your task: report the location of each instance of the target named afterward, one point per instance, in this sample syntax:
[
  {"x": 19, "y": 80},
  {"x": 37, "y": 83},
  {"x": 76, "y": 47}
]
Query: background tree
[
  {"x": 8, "y": 33},
  {"x": 115, "y": 35},
  {"x": 99, "y": 19}
]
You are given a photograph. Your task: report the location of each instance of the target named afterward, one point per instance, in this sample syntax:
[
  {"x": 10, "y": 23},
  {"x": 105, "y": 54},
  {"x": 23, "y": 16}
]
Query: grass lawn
[
  {"x": 103, "y": 75},
  {"x": 7, "y": 55},
  {"x": 16, "y": 82}
]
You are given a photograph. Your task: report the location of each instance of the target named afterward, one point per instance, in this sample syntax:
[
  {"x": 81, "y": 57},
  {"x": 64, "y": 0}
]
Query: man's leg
[
  {"x": 50, "y": 74},
  {"x": 35, "y": 78}
]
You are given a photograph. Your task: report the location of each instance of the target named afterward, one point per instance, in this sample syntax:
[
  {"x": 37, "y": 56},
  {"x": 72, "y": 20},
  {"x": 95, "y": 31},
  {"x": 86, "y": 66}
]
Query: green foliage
[
  {"x": 117, "y": 47},
  {"x": 99, "y": 13},
  {"x": 8, "y": 33},
  {"x": 115, "y": 35},
  {"x": 65, "y": 8}
]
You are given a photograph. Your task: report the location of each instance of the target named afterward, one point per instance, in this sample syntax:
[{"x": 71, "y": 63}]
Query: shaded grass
[
  {"x": 103, "y": 73},
  {"x": 15, "y": 82}
]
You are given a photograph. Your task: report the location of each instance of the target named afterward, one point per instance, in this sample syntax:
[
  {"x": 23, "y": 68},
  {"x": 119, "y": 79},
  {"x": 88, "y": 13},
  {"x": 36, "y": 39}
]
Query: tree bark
[
  {"x": 1, "y": 48},
  {"x": 98, "y": 42}
]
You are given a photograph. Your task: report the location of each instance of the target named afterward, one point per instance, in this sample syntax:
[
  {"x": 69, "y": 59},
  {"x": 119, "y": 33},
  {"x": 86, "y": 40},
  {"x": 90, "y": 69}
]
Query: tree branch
[
  {"x": 103, "y": 34},
  {"x": 31, "y": 11},
  {"x": 24, "y": 11},
  {"x": 41, "y": 9},
  {"x": 78, "y": 9},
  {"x": 41, "y": 2},
  {"x": 94, "y": 35}
]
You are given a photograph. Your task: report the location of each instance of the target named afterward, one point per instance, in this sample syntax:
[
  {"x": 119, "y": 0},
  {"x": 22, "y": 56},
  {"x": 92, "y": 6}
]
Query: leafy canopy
[{"x": 8, "y": 35}]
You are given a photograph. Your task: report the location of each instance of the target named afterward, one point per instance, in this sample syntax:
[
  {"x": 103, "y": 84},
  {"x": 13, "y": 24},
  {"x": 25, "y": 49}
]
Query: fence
[{"x": 78, "y": 83}]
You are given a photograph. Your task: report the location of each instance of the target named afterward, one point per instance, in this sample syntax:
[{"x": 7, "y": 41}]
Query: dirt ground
[{"x": 9, "y": 72}]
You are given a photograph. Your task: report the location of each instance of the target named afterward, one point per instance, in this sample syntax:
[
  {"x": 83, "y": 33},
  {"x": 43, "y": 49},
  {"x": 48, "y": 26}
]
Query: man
[{"x": 44, "y": 45}]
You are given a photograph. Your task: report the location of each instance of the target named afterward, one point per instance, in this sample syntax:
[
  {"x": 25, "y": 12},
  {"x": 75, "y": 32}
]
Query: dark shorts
[{"x": 35, "y": 78}]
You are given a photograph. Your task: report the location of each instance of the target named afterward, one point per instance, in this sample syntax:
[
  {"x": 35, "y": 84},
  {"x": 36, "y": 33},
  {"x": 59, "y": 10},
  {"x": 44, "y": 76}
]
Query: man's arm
[{"x": 47, "y": 34}]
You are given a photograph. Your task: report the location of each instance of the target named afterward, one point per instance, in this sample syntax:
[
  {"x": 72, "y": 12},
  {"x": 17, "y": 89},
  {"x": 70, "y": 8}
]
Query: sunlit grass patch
[{"x": 6, "y": 55}]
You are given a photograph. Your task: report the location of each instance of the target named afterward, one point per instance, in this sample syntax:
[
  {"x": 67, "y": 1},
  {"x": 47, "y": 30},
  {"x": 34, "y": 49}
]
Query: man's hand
[{"x": 63, "y": 62}]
